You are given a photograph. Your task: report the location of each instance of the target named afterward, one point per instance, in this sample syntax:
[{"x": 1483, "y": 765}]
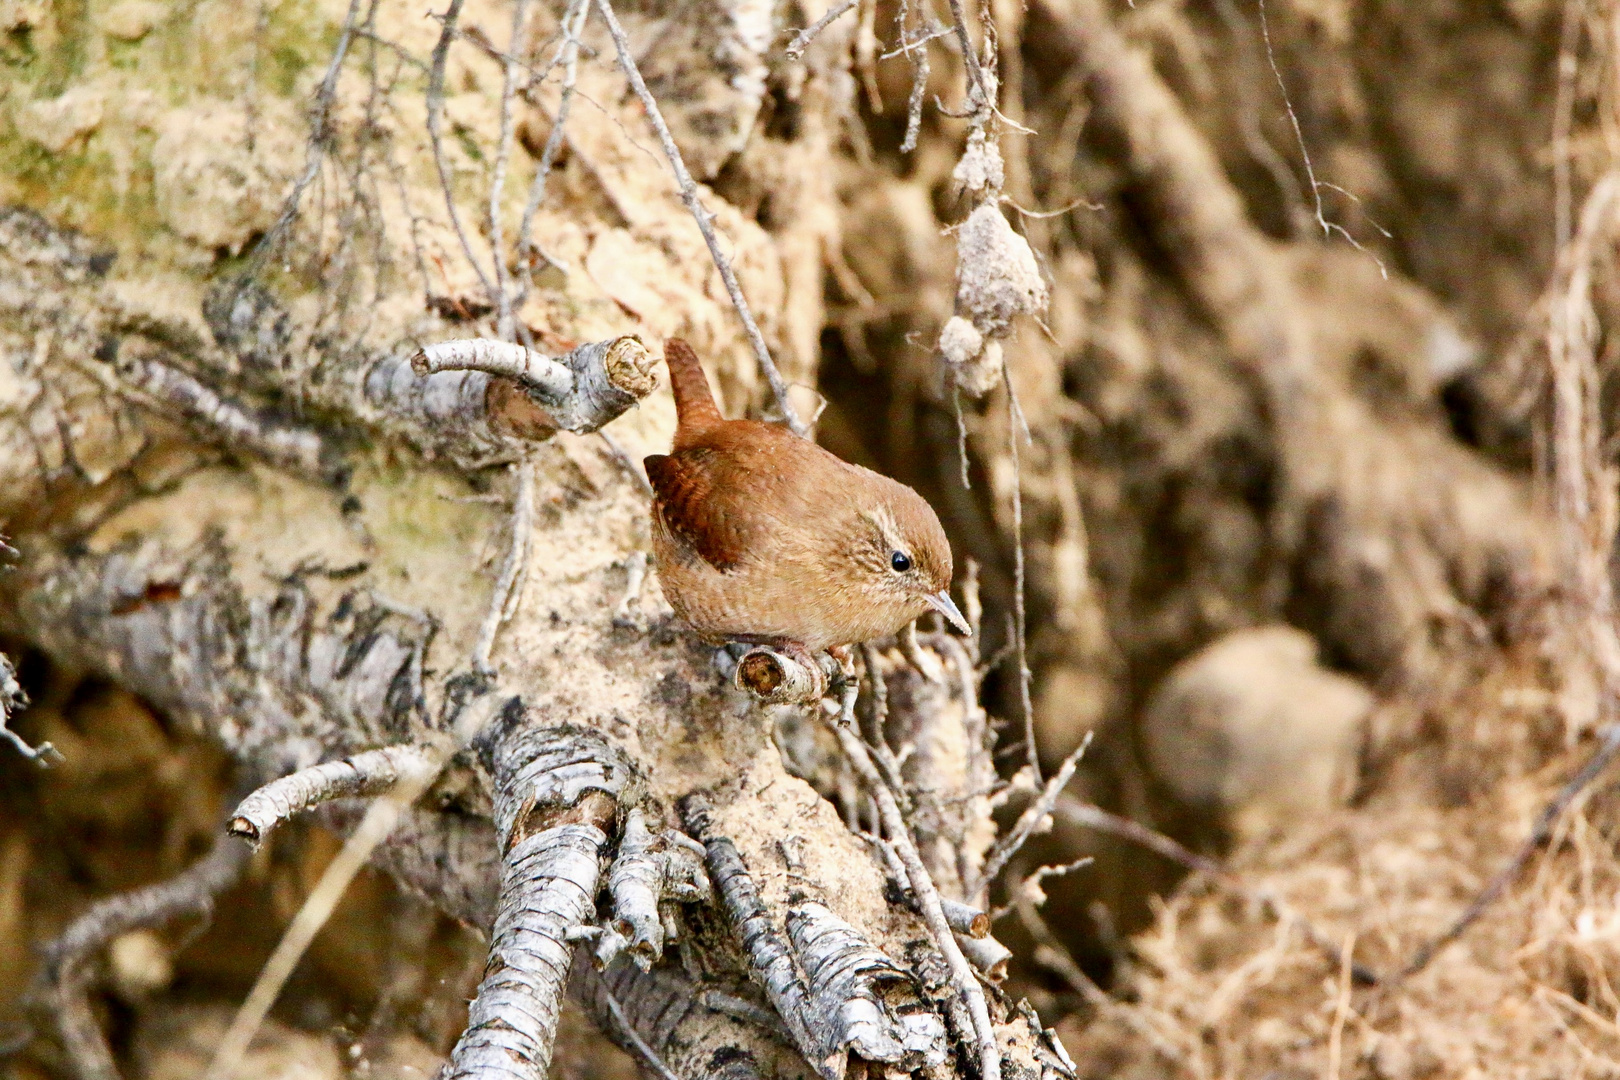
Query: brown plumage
[{"x": 764, "y": 537}]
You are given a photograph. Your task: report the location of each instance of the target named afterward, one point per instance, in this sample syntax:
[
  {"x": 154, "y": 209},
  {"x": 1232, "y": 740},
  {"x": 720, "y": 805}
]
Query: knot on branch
[
  {"x": 543, "y": 777},
  {"x": 774, "y": 677},
  {"x": 580, "y": 391}
]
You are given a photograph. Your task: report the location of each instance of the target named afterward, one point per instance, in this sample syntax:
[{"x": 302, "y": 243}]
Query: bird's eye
[{"x": 900, "y": 561}]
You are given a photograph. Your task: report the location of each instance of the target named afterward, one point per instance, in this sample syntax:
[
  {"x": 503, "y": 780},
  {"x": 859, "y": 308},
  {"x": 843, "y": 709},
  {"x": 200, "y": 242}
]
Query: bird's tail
[{"x": 695, "y": 409}]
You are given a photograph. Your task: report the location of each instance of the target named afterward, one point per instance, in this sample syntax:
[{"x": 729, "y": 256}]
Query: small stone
[{"x": 1253, "y": 734}]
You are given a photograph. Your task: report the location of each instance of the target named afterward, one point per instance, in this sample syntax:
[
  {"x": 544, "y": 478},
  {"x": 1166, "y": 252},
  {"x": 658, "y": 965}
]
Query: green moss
[
  {"x": 293, "y": 44},
  {"x": 124, "y": 55},
  {"x": 104, "y": 184},
  {"x": 65, "y": 60},
  {"x": 469, "y": 143},
  {"x": 17, "y": 49}
]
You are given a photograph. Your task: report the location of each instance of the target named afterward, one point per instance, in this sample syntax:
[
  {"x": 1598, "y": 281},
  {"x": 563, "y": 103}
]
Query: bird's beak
[{"x": 942, "y": 603}]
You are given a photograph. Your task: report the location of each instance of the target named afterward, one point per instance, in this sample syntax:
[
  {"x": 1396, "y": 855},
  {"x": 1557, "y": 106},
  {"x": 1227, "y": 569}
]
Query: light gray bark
[{"x": 246, "y": 504}]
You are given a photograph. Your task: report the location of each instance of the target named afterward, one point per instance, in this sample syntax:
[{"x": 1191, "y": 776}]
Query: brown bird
[{"x": 763, "y": 537}]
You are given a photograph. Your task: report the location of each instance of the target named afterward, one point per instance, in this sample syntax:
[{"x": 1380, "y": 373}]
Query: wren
[{"x": 761, "y": 536}]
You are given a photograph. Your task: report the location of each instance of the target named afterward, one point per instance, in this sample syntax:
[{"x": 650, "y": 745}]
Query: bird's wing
[{"x": 694, "y": 490}]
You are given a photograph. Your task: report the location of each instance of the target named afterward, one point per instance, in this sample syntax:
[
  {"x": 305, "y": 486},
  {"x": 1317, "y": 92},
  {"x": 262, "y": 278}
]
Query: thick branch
[{"x": 556, "y": 792}]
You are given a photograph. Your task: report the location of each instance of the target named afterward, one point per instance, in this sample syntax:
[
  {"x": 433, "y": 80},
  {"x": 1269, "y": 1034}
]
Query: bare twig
[
  {"x": 961, "y": 435},
  {"x": 379, "y": 821},
  {"x": 982, "y": 100},
  {"x": 1052, "y": 954},
  {"x": 1030, "y": 885},
  {"x": 536, "y": 370},
  {"x": 573, "y": 21},
  {"x": 1341, "y": 1009},
  {"x": 801, "y": 41},
  {"x": 508, "y": 587},
  {"x": 1093, "y": 817},
  {"x": 497, "y": 180},
  {"x": 1328, "y": 227},
  {"x": 1540, "y": 833},
  {"x": 435, "y": 120},
  {"x": 917, "y": 56},
  {"x": 704, "y": 219},
  {"x": 320, "y": 137},
  {"x": 370, "y": 773},
  {"x": 627, "y": 463},
  {"x": 180, "y": 395},
  {"x": 1030, "y": 821},
  {"x": 963, "y": 980},
  {"x": 635, "y": 568},
  {"x": 588, "y": 387},
  {"x": 1015, "y": 428},
  {"x": 649, "y": 1056}
]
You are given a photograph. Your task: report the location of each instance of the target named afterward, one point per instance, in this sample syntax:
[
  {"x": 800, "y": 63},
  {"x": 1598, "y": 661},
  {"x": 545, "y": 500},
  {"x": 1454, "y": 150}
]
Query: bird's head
[{"x": 897, "y": 557}]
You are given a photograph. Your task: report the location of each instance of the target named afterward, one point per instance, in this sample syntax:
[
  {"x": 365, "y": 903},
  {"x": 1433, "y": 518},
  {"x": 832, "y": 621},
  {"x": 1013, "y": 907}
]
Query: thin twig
[
  {"x": 627, "y": 463},
  {"x": 963, "y": 979},
  {"x": 1029, "y": 821},
  {"x": 1328, "y": 227},
  {"x": 648, "y": 1055},
  {"x": 917, "y": 55},
  {"x": 961, "y": 436},
  {"x": 1059, "y": 212},
  {"x": 508, "y": 587},
  {"x": 1093, "y": 817},
  {"x": 701, "y": 215},
  {"x": 573, "y": 22},
  {"x": 970, "y": 57},
  {"x": 1341, "y": 1009},
  {"x": 1052, "y": 954},
  {"x": 1030, "y": 884},
  {"x": 497, "y": 179},
  {"x": 320, "y": 136},
  {"x": 875, "y": 734},
  {"x": 1015, "y": 423},
  {"x": 67, "y": 970},
  {"x": 370, "y": 772},
  {"x": 1540, "y": 833},
  {"x": 435, "y": 119},
  {"x": 801, "y": 41}
]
